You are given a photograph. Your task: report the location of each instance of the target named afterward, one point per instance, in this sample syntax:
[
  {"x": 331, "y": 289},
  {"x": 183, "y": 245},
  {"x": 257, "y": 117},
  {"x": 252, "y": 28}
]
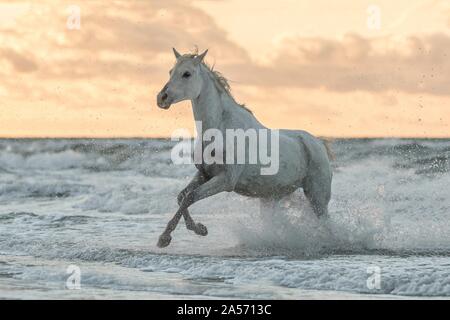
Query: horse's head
[{"x": 185, "y": 82}]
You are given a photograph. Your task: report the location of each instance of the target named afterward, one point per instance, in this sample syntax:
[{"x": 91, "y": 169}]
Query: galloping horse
[{"x": 304, "y": 160}]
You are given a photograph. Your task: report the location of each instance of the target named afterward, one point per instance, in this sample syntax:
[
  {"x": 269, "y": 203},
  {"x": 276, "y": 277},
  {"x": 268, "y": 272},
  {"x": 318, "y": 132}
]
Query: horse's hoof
[
  {"x": 164, "y": 241},
  {"x": 200, "y": 229}
]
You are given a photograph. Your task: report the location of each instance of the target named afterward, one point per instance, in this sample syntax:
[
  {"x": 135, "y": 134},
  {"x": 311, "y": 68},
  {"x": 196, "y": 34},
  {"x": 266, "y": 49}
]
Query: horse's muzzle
[{"x": 163, "y": 100}]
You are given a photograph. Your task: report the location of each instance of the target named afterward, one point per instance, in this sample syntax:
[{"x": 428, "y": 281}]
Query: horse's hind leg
[{"x": 317, "y": 189}]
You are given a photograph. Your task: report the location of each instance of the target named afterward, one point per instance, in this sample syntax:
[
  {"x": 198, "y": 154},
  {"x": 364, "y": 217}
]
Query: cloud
[
  {"x": 20, "y": 62},
  {"x": 132, "y": 40},
  {"x": 129, "y": 42},
  {"x": 417, "y": 64}
]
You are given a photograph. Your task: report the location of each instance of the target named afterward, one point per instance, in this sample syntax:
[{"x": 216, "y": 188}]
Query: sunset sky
[{"x": 329, "y": 67}]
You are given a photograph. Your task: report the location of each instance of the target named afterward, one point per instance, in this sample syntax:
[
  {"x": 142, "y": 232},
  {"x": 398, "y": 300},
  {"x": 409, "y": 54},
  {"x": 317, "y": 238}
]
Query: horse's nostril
[{"x": 164, "y": 97}]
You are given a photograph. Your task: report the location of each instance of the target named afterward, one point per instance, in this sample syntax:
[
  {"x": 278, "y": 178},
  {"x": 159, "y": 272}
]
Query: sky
[{"x": 348, "y": 68}]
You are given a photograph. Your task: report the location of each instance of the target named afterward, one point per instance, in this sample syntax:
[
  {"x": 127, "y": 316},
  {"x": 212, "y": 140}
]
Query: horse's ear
[
  {"x": 176, "y": 53},
  {"x": 200, "y": 57}
]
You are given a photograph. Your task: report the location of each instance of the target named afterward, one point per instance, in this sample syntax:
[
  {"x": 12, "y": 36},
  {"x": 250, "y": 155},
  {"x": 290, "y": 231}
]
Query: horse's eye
[{"x": 187, "y": 74}]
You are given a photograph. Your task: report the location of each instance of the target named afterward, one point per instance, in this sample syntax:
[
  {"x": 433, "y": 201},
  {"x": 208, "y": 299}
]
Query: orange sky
[{"x": 321, "y": 66}]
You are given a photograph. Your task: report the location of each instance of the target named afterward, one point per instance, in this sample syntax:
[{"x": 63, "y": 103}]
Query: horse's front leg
[
  {"x": 198, "y": 228},
  {"x": 213, "y": 186},
  {"x": 197, "y": 181}
]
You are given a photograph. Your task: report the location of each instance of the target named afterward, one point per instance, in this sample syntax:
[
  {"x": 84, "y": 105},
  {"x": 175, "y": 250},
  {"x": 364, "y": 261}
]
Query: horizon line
[{"x": 169, "y": 138}]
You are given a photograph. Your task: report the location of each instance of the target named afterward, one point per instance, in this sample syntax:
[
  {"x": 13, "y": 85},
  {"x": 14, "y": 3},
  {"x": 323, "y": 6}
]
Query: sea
[{"x": 80, "y": 219}]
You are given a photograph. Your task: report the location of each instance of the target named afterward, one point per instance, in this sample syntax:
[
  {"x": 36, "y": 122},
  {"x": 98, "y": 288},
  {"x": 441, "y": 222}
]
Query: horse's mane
[{"x": 219, "y": 80}]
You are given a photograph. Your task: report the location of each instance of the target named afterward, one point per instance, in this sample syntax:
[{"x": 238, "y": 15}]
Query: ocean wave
[
  {"x": 156, "y": 196},
  {"x": 24, "y": 189},
  {"x": 415, "y": 276},
  {"x": 95, "y": 155},
  {"x": 15, "y": 215}
]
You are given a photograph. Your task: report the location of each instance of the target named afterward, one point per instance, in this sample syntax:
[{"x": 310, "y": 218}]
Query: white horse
[{"x": 303, "y": 158}]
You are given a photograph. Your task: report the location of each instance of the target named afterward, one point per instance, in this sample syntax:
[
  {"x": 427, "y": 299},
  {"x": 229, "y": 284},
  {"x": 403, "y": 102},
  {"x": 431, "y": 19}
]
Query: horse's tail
[{"x": 327, "y": 143}]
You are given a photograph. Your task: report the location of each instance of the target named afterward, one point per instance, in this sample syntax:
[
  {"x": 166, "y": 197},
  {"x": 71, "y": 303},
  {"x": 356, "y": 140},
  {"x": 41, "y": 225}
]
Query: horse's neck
[
  {"x": 211, "y": 105},
  {"x": 208, "y": 107}
]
